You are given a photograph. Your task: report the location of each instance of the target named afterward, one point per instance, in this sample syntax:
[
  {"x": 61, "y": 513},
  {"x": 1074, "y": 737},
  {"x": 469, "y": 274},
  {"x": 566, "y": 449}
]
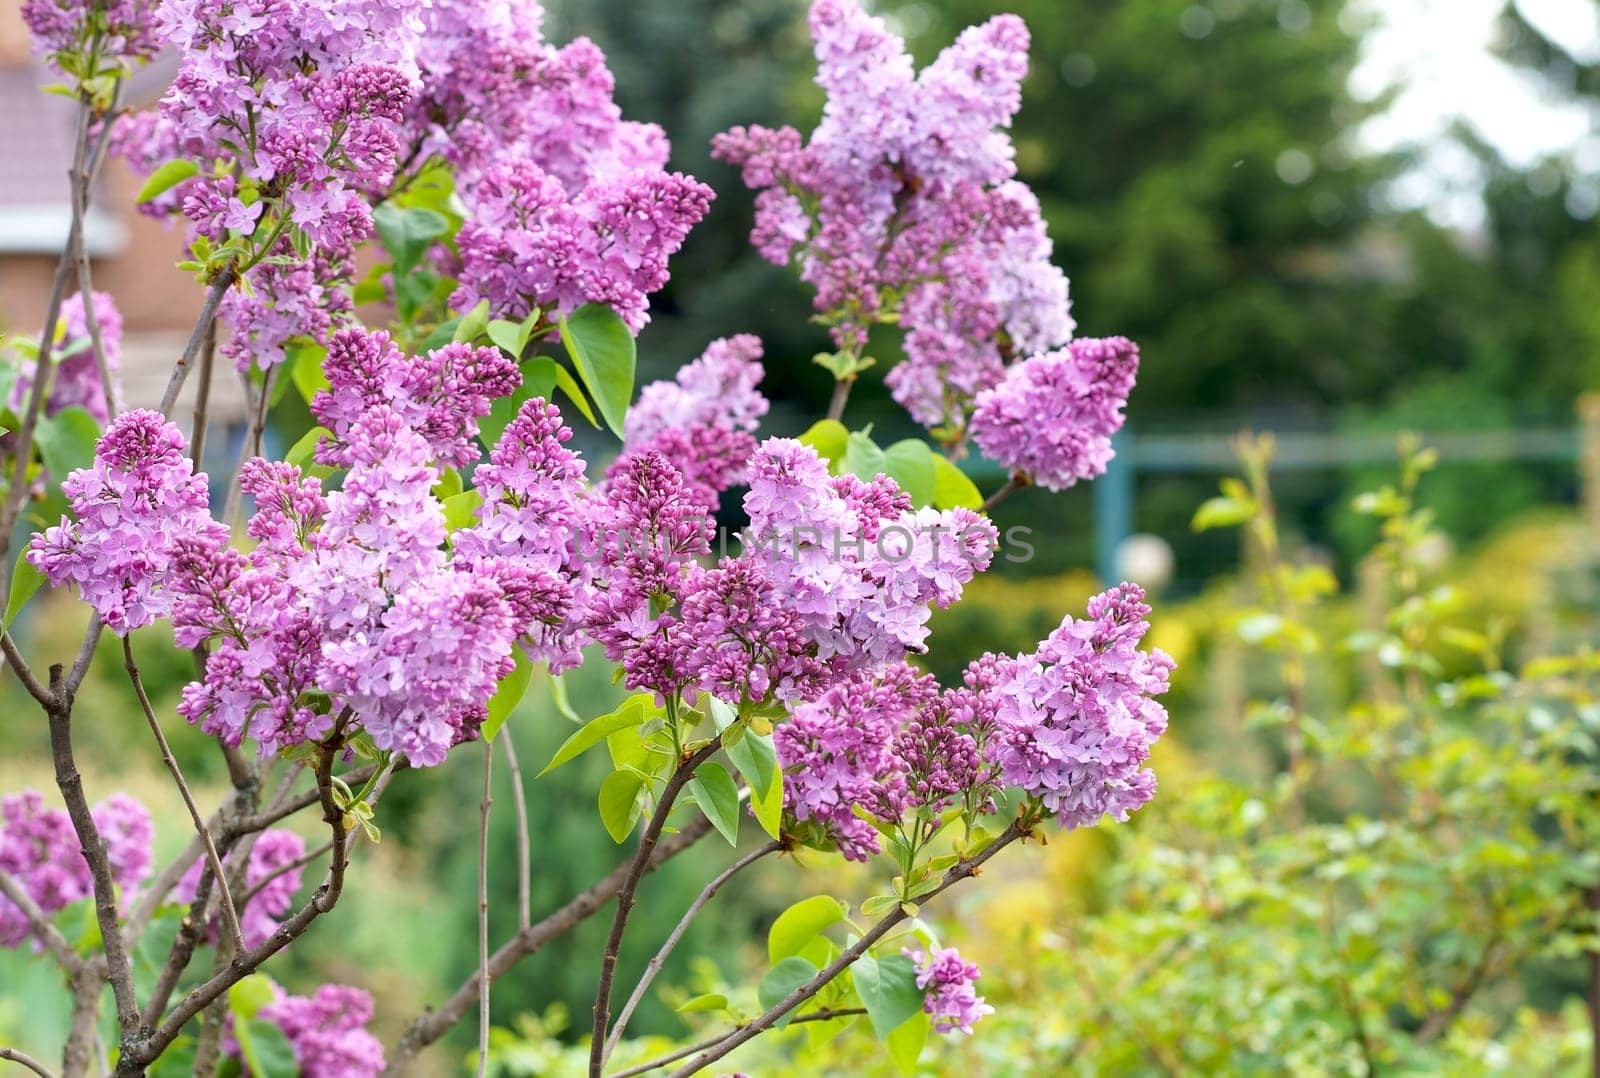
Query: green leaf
[
  {"x": 603, "y": 350},
  {"x": 460, "y": 509},
  {"x": 473, "y": 324},
  {"x": 166, "y": 178},
  {"x": 511, "y": 337},
  {"x": 756, "y": 760},
  {"x": 910, "y": 464},
  {"x": 300, "y": 453},
  {"x": 509, "y": 693},
  {"x": 768, "y": 808},
  {"x": 177, "y": 1061},
  {"x": 711, "y": 1001},
  {"x": 905, "y": 1044},
  {"x": 888, "y": 990},
  {"x": 619, "y": 803},
  {"x": 407, "y": 233},
  {"x": 801, "y": 923},
  {"x": 784, "y": 977},
  {"x": 66, "y": 441},
  {"x": 25, "y": 581},
  {"x": 951, "y": 487},
  {"x": 633, "y": 712},
  {"x": 828, "y": 437},
  {"x": 718, "y": 798},
  {"x": 265, "y": 1049},
  {"x": 250, "y": 994},
  {"x": 307, "y": 371},
  {"x": 1221, "y": 512},
  {"x": 568, "y": 385},
  {"x": 862, "y": 458}
]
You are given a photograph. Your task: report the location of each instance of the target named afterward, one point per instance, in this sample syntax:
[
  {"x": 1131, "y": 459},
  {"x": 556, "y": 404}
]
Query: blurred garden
[{"x": 1359, "y": 481}]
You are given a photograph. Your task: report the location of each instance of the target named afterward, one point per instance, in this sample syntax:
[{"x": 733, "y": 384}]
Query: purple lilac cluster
[
  {"x": 902, "y": 204},
  {"x": 1052, "y": 417},
  {"x": 272, "y": 877},
  {"x": 39, "y": 850},
  {"x": 327, "y": 1031},
  {"x": 1076, "y": 719},
  {"x": 947, "y": 980},
  {"x": 135, "y": 508},
  {"x": 75, "y": 380},
  {"x": 529, "y": 243},
  {"x": 110, "y": 30},
  {"x": 704, "y": 419}
]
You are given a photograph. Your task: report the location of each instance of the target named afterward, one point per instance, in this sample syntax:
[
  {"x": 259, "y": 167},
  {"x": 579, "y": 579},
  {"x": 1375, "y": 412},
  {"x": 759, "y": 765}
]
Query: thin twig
[
  {"x": 483, "y": 908},
  {"x": 656, "y": 963},
  {"x": 1017, "y": 481},
  {"x": 841, "y": 394},
  {"x": 524, "y": 840},
  {"x": 958, "y": 872},
  {"x": 80, "y": 666},
  {"x": 824, "y": 1015},
  {"x": 432, "y": 1024},
  {"x": 81, "y": 190},
  {"x": 281, "y": 871},
  {"x": 202, "y": 399},
  {"x": 24, "y": 673},
  {"x": 26, "y": 1060},
  {"x": 202, "y": 327},
  {"x": 636, "y": 869},
  {"x": 48, "y": 933},
  {"x": 230, "y": 915}
]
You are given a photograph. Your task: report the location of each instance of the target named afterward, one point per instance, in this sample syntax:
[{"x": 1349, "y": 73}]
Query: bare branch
[
  {"x": 230, "y": 915},
  {"x": 48, "y": 933},
  {"x": 483, "y": 908},
  {"x": 202, "y": 398},
  {"x": 81, "y": 190},
  {"x": 636, "y": 869},
  {"x": 24, "y": 673},
  {"x": 26, "y": 1060},
  {"x": 656, "y": 963},
  {"x": 960, "y": 871},
  {"x": 524, "y": 841},
  {"x": 202, "y": 328},
  {"x": 824, "y": 1015}
]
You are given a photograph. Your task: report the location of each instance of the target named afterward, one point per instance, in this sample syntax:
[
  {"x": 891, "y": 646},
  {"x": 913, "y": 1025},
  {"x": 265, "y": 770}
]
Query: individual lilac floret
[
  {"x": 946, "y": 980},
  {"x": 1075, "y": 720},
  {"x": 271, "y": 881},
  {"x": 40, "y": 851},
  {"x": 125, "y": 29},
  {"x": 327, "y": 1032},
  {"x": 76, "y": 381},
  {"x": 138, "y": 500},
  {"x": 1053, "y": 417}
]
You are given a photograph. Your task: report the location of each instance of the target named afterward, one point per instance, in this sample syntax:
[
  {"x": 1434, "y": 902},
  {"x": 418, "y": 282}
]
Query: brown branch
[
  {"x": 432, "y": 1024},
  {"x": 298, "y": 863},
  {"x": 958, "y": 872},
  {"x": 202, "y": 328},
  {"x": 659, "y": 960},
  {"x": 25, "y": 1060},
  {"x": 636, "y": 869},
  {"x": 1017, "y": 481},
  {"x": 80, "y": 256},
  {"x": 824, "y": 1015},
  {"x": 83, "y": 1033},
  {"x": 841, "y": 394},
  {"x": 25, "y": 673},
  {"x": 483, "y": 908},
  {"x": 202, "y": 398},
  {"x": 524, "y": 840},
  {"x": 49, "y": 935}
]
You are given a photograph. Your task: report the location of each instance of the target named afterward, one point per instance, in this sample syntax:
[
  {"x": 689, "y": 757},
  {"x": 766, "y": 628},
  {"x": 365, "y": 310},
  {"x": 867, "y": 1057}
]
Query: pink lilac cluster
[
  {"x": 1052, "y": 417},
  {"x": 326, "y": 1032},
  {"x": 272, "y": 877},
  {"x": 947, "y": 980},
  {"x": 39, "y": 851},
  {"x": 291, "y": 299},
  {"x": 902, "y": 204},
  {"x": 853, "y": 559},
  {"x": 491, "y": 85},
  {"x": 441, "y": 395},
  {"x": 112, "y": 30},
  {"x": 134, "y": 507},
  {"x": 1075, "y": 719},
  {"x": 739, "y": 642},
  {"x": 531, "y": 243},
  {"x": 704, "y": 419},
  {"x": 837, "y": 753},
  {"x": 75, "y": 381}
]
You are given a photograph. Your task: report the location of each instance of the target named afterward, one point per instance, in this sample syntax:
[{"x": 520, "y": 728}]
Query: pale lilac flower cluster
[
  {"x": 139, "y": 501},
  {"x": 76, "y": 376},
  {"x": 947, "y": 980},
  {"x": 703, "y": 420},
  {"x": 1052, "y": 417},
  {"x": 858, "y": 565},
  {"x": 39, "y": 850},
  {"x": 110, "y": 29},
  {"x": 837, "y": 753},
  {"x": 1075, "y": 720},
  {"x": 327, "y": 1031},
  {"x": 902, "y": 203},
  {"x": 271, "y": 880},
  {"x": 290, "y": 299},
  {"x": 529, "y": 242},
  {"x": 441, "y": 395}
]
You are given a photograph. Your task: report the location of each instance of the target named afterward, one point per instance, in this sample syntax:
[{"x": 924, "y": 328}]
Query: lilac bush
[{"x": 382, "y": 597}]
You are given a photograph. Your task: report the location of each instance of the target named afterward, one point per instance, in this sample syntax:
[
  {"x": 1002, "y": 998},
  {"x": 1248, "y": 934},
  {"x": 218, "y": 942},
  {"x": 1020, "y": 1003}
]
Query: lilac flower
[
  {"x": 946, "y": 980},
  {"x": 739, "y": 643},
  {"x": 76, "y": 379},
  {"x": 39, "y": 849},
  {"x": 1075, "y": 720},
  {"x": 326, "y": 1031},
  {"x": 269, "y": 869},
  {"x": 125, "y": 29},
  {"x": 1053, "y": 416},
  {"x": 138, "y": 500}
]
